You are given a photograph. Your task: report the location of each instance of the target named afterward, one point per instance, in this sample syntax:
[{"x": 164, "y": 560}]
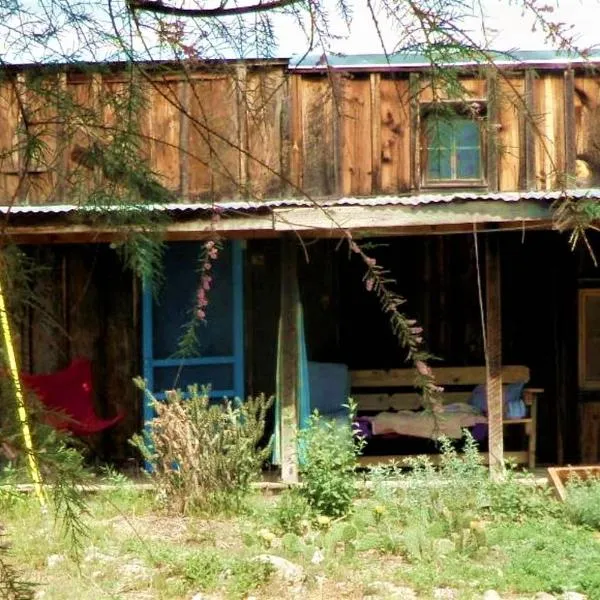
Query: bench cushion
[{"x": 514, "y": 407}]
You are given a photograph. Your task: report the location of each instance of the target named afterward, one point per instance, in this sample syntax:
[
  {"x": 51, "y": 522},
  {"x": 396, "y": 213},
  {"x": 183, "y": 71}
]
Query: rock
[
  {"x": 318, "y": 557},
  {"x": 387, "y": 590},
  {"x": 544, "y": 596},
  {"x": 445, "y": 594},
  {"x": 93, "y": 555},
  {"x": 135, "y": 569},
  {"x": 284, "y": 569},
  {"x": 444, "y": 546},
  {"x": 491, "y": 595},
  {"x": 54, "y": 560},
  {"x": 573, "y": 596}
]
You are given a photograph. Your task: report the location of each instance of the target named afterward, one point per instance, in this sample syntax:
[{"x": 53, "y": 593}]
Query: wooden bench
[{"x": 376, "y": 391}]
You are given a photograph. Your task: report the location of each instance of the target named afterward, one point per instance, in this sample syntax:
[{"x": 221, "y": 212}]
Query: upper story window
[{"x": 452, "y": 148}]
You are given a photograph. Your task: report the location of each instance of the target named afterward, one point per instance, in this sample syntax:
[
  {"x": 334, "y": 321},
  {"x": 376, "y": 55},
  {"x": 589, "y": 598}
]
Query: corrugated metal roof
[
  {"x": 253, "y": 206},
  {"x": 412, "y": 60}
]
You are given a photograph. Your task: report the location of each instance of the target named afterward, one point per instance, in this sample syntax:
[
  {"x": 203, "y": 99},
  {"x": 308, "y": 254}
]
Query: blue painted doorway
[{"x": 218, "y": 359}]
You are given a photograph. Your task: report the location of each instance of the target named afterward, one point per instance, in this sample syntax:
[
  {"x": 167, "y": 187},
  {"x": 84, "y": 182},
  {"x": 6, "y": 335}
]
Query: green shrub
[
  {"x": 328, "y": 459},
  {"x": 582, "y": 501},
  {"x": 204, "y": 456}
]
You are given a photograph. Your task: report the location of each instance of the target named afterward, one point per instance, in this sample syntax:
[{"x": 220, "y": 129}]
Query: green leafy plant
[
  {"x": 582, "y": 501},
  {"x": 204, "y": 456},
  {"x": 329, "y": 452}
]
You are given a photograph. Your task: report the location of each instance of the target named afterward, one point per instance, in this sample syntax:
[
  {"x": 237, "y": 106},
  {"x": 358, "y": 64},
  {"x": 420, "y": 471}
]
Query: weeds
[
  {"x": 203, "y": 456},
  {"x": 329, "y": 452},
  {"x": 582, "y": 502}
]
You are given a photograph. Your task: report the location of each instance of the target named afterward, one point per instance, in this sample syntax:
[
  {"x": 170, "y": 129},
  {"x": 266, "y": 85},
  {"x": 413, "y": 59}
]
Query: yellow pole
[{"x": 9, "y": 348}]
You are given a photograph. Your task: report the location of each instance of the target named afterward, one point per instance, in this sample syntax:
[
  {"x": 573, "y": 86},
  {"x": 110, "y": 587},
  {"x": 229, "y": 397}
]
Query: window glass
[{"x": 453, "y": 149}]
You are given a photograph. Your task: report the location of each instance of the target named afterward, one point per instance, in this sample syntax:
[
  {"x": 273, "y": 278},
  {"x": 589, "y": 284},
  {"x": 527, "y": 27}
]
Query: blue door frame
[{"x": 152, "y": 364}]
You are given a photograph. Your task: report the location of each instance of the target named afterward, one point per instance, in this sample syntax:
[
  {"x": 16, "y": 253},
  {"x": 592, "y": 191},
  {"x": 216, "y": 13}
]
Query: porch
[{"x": 92, "y": 307}]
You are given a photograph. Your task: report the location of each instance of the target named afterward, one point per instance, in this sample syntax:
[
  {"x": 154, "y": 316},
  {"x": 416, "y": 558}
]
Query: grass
[{"x": 134, "y": 551}]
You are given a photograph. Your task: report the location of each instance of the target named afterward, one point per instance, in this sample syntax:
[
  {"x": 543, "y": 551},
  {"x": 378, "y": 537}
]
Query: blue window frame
[
  {"x": 453, "y": 145},
  {"x": 219, "y": 360}
]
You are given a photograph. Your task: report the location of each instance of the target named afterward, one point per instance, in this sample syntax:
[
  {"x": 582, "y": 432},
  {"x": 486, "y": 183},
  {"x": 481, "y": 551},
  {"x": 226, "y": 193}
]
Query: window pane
[
  {"x": 439, "y": 133},
  {"x": 439, "y": 164},
  {"x": 174, "y": 306},
  {"x": 468, "y": 164},
  {"x": 219, "y": 377},
  {"x": 467, "y": 133}
]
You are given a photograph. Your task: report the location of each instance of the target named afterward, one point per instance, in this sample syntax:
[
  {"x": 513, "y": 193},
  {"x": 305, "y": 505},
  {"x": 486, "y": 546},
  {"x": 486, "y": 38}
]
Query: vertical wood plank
[
  {"x": 286, "y": 136},
  {"x": 357, "y": 137},
  {"x": 529, "y": 128},
  {"x": 62, "y": 157},
  {"x": 375, "y": 132},
  {"x": 184, "y": 137},
  {"x": 296, "y": 166},
  {"x": 267, "y": 133},
  {"x": 511, "y": 144},
  {"x": 241, "y": 105},
  {"x": 570, "y": 128},
  {"x": 414, "y": 131},
  {"x": 492, "y": 131},
  {"x": 395, "y": 136},
  {"x": 288, "y": 376},
  {"x": 494, "y": 355}
]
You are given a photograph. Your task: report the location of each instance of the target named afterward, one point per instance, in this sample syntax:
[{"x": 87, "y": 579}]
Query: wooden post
[
  {"x": 289, "y": 348},
  {"x": 494, "y": 356}
]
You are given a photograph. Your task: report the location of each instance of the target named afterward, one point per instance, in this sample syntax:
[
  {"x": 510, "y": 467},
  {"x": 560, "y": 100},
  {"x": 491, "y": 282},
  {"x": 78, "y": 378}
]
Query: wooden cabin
[{"x": 454, "y": 180}]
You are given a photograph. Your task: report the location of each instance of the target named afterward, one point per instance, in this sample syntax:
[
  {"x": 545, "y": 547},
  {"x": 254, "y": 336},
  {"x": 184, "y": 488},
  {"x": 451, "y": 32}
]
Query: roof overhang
[{"x": 381, "y": 215}]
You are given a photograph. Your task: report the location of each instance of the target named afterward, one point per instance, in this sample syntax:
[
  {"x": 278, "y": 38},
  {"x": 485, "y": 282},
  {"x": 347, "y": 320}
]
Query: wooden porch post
[
  {"x": 494, "y": 355},
  {"x": 288, "y": 376}
]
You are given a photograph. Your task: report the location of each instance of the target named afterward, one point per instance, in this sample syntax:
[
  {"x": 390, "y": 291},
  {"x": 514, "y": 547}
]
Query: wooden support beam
[
  {"x": 494, "y": 355},
  {"x": 289, "y": 359}
]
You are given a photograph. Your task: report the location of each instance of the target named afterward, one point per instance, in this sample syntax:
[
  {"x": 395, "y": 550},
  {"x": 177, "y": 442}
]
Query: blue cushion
[
  {"x": 329, "y": 385},
  {"x": 514, "y": 407}
]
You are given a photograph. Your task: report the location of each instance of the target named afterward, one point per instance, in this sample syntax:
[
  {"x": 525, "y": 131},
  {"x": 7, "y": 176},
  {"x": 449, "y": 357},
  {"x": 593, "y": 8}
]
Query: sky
[{"x": 506, "y": 28}]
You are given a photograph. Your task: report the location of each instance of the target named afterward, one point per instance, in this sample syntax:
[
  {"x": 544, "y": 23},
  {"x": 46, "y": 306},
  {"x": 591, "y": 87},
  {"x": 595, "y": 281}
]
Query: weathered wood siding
[{"x": 262, "y": 131}]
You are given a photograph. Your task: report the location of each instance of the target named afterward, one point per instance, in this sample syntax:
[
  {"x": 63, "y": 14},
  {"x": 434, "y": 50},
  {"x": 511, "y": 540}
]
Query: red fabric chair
[{"x": 68, "y": 395}]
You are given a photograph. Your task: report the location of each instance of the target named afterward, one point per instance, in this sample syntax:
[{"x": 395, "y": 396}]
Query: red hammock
[{"x": 68, "y": 395}]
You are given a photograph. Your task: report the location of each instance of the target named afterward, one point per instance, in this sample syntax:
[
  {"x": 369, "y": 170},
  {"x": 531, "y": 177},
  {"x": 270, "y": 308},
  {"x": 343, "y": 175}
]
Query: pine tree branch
[{"x": 157, "y": 7}]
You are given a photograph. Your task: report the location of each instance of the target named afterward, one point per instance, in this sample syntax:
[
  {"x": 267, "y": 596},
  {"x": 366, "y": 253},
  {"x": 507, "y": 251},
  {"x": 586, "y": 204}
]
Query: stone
[
  {"x": 491, "y": 595},
  {"x": 135, "y": 569},
  {"x": 53, "y": 560},
  {"x": 445, "y": 594},
  {"x": 318, "y": 557},
  {"x": 544, "y": 596},
  {"x": 387, "y": 590},
  {"x": 284, "y": 569},
  {"x": 573, "y": 596}
]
